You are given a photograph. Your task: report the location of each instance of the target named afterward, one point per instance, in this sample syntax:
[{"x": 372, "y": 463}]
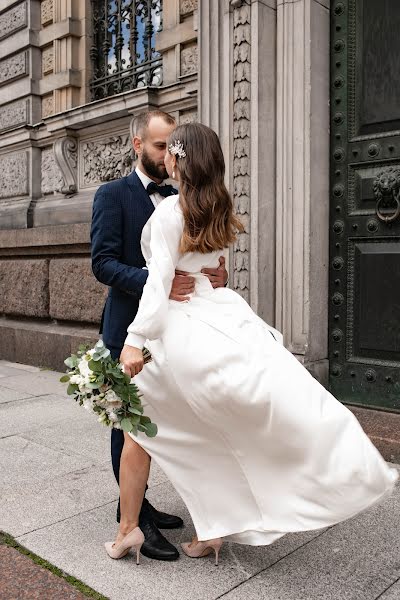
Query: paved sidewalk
[{"x": 58, "y": 499}]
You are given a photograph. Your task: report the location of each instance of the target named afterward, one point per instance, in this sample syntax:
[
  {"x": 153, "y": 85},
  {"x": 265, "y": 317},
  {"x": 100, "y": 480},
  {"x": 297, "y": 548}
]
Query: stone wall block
[
  {"x": 13, "y": 20},
  {"x": 48, "y": 60},
  {"x": 47, "y": 105},
  {"x": 46, "y": 12},
  {"x": 75, "y": 294},
  {"x": 188, "y": 6},
  {"x": 14, "y": 170},
  {"x": 14, "y": 67},
  {"x": 189, "y": 60},
  {"x": 24, "y": 287},
  {"x": 13, "y": 114}
]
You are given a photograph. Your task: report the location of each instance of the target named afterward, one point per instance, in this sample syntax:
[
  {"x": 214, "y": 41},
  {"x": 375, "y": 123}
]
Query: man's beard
[{"x": 152, "y": 169}]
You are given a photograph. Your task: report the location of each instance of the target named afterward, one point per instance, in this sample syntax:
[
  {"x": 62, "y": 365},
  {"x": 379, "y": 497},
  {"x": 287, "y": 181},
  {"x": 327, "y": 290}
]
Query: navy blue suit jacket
[{"x": 121, "y": 208}]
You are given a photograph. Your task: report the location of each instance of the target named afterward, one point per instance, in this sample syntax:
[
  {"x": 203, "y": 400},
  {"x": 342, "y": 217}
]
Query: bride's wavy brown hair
[{"x": 210, "y": 223}]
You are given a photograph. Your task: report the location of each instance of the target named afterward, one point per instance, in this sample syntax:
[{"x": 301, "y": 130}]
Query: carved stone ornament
[
  {"x": 13, "y": 67},
  {"x": 188, "y": 116},
  {"x": 48, "y": 60},
  {"x": 14, "y": 114},
  {"x": 107, "y": 159},
  {"x": 13, "y": 20},
  {"x": 66, "y": 155},
  {"x": 188, "y": 6},
  {"x": 14, "y": 170},
  {"x": 46, "y": 12},
  {"x": 52, "y": 179},
  {"x": 241, "y": 145},
  {"x": 47, "y": 106},
  {"x": 189, "y": 60}
]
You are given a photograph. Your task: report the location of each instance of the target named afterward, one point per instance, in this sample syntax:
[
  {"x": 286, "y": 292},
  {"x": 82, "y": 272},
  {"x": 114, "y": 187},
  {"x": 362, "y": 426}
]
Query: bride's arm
[{"x": 165, "y": 234}]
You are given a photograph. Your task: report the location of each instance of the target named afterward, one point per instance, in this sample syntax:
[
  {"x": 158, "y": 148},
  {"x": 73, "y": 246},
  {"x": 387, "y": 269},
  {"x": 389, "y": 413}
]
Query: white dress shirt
[{"x": 155, "y": 198}]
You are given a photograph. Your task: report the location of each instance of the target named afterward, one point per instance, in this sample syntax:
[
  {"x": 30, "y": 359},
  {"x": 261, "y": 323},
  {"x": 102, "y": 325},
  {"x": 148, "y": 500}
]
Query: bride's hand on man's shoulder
[
  {"x": 132, "y": 360},
  {"x": 218, "y": 277}
]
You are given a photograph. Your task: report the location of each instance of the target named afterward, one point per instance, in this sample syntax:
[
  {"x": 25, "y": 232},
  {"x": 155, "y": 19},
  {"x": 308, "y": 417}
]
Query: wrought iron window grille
[{"x": 123, "y": 52}]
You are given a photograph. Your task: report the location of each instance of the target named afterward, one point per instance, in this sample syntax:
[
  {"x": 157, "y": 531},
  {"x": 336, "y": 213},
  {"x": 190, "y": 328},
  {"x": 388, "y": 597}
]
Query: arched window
[{"x": 123, "y": 51}]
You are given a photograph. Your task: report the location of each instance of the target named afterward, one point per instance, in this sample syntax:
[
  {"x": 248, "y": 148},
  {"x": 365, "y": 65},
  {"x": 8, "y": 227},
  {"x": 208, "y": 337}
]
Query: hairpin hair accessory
[{"x": 177, "y": 149}]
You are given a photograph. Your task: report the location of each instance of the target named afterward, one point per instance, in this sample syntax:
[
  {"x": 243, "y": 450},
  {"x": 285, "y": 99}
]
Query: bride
[{"x": 254, "y": 445}]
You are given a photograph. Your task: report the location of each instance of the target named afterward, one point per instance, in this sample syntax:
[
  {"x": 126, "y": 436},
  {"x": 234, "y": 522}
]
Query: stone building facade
[{"x": 244, "y": 67}]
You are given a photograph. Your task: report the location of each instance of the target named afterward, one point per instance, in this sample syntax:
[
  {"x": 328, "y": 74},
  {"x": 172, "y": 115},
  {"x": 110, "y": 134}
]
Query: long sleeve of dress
[{"x": 166, "y": 226}]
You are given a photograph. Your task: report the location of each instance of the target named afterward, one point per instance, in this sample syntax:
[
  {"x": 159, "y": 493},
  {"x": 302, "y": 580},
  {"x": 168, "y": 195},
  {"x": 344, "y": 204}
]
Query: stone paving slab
[
  {"x": 59, "y": 497},
  {"x": 77, "y": 545},
  {"x": 393, "y": 593},
  {"x": 32, "y": 507},
  {"x": 83, "y": 437},
  {"x": 19, "y": 367},
  {"x": 8, "y": 395},
  {"x": 33, "y": 582},
  {"x": 23, "y": 462},
  {"x": 37, "y": 383},
  {"x": 355, "y": 560},
  {"x": 22, "y": 416},
  {"x": 8, "y": 369}
]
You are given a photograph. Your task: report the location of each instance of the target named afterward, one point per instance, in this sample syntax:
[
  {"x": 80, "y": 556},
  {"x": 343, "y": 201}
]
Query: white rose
[
  {"x": 75, "y": 379},
  {"x": 117, "y": 425},
  {"x": 88, "y": 404},
  {"x": 111, "y": 397},
  {"x": 113, "y": 416},
  {"x": 83, "y": 367}
]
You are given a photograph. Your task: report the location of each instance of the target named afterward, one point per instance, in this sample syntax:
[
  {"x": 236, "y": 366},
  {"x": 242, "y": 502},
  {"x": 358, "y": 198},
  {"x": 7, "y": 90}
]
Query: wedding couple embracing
[{"x": 253, "y": 444}]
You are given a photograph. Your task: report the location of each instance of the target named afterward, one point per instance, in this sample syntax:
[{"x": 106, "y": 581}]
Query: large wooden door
[{"x": 364, "y": 321}]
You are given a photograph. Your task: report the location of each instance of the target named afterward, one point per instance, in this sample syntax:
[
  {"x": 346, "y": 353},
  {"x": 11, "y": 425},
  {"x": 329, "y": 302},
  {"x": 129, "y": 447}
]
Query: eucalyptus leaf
[
  {"x": 72, "y": 388},
  {"x": 69, "y": 362},
  {"x": 64, "y": 378},
  {"x": 126, "y": 425},
  {"x": 95, "y": 366},
  {"x": 151, "y": 430},
  {"x": 135, "y": 411}
]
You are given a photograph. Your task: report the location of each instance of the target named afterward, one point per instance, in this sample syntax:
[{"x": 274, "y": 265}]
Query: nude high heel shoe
[
  {"x": 200, "y": 549},
  {"x": 134, "y": 539}
]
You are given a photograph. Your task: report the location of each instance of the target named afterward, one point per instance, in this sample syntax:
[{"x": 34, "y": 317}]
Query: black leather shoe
[
  {"x": 163, "y": 520},
  {"x": 155, "y": 544}
]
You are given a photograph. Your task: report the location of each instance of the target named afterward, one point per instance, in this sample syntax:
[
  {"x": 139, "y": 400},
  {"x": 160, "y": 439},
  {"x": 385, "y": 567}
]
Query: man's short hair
[{"x": 140, "y": 123}]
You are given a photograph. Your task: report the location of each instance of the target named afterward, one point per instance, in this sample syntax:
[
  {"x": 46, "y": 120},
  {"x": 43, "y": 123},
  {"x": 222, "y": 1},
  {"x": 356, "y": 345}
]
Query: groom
[{"x": 121, "y": 208}]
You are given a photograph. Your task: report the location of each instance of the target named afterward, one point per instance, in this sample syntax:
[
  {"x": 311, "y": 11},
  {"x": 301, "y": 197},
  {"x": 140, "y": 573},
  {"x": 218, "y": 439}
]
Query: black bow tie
[{"x": 163, "y": 190}]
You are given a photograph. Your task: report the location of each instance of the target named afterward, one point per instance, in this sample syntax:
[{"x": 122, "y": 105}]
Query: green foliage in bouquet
[{"x": 98, "y": 383}]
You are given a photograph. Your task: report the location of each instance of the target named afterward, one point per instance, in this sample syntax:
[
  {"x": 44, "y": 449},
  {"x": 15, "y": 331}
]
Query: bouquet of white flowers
[{"x": 99, "y": 384}]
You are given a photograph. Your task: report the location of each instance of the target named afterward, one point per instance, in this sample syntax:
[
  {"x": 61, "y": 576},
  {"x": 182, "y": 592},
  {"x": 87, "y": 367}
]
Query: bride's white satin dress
[{"x": 254, "y": 445}]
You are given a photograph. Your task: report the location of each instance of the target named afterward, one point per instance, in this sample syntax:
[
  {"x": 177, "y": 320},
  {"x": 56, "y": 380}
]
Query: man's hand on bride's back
[
  {"x": 218, "y": 277},
  {"x": 182, "y": 286},
  {"x": 132, "y": 359}
]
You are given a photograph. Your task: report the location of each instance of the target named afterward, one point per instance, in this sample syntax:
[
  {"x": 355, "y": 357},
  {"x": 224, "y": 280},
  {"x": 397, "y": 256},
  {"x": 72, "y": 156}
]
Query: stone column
[
  {"x": 237, "y": 99},
  {"x": 302, "y": 193}
]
